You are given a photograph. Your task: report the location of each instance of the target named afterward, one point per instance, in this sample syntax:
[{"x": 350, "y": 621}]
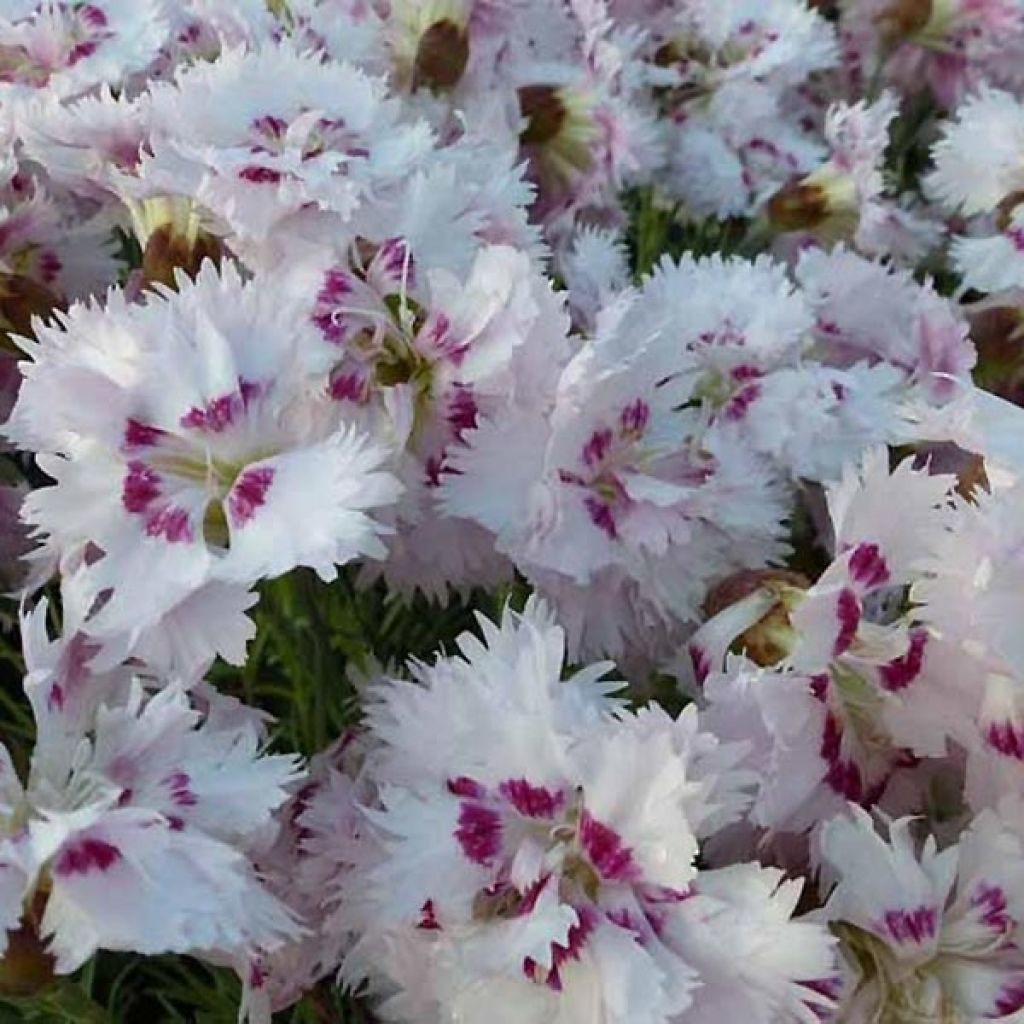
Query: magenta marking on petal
[
  {"x": 737, "y": 406},
  {"x": 85, "y": 856},
  {"x": 140, "y": 489},
  {"x": 597, "y": 447},
  {"x": 611, "y": 858},
  {"x": 745, "y": 372},
  {"x": 1010, "y": 998},
  {"x": 848, "y": 614},
  {"x": 532, "y": 801},
  {"x": 333, "y": 329},
  {"x": 819, "y": 685},
  {"x": 634, "y": 419},
  {"x": 174, "y": 823},
  {"x": 178, "y": 784},
  {"x": 170, "y": 522},
  {"x": 843, "y": 775},
  {"x": 991, "y": 901},
  {"x": 1016, "y": 235},
  {"x": 394, "y": 261},
  {"x": 664, "y": 894},
  {"x": 270, "y": 125},
  {"x": 257, "y": 975},
  {"x": 433, "y": 468},
  {"x": 350, "y": 387},
  {"x": 221, "y": 412},
  {"x": 466, "y": 788},
  {"x": 428, "y": 918},
  {"x": 844, "y": 778},
  {"x": 249, "y": 494},
  {"x": 479, "y": 832},
  {"x": 142, "y": 435},
  {"x": 55, "y": 699},
  {"x": 50, "y": 266},
  {"x": 532, "y": 894},
  {"x": 601, "y": 516},
  {"x": 81, "y": 50},
  {"x": 623, "y": 919},
  {"x": 917, "y": 925},
  {"x": 576, "y": 940},
  {"x": 92, "y": 16},
  {"x": 701, "y": 661},
  {"x": 257, "y": 175},
  {"x": 901, "y": 672},
  {"x": 1006, "y": 737},
  {"x": 462, "y": 410},
  {"x": 336, "y": 285},
  {"x": 868, "y": 567},
  {"x": 829, "y": 989}
]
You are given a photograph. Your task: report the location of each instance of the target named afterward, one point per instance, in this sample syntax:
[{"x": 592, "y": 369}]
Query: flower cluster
[{"x": 679, "y": 341}]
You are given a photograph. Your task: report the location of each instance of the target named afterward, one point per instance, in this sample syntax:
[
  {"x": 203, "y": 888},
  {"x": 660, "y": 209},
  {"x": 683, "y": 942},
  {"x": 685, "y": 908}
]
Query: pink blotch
[
  {"x": 634, "y": 418},
  {"x": 178, "y": 784},
  {"x": 141, "y": 435},
  {"x": 140, "y": 489},
  {"x": 991, "y": 901},
  {"x": 901, "y": 672},
  {"x": 257, "y": 175},
  {"x": 1008, "y": 738},
  {"x": 249, "y": 494},
  {"x": 87, "y": 855},
  {"x": 701, "y": 662},
  {"x": 848, "y": 614},
  {"x": 917, "y": 925},
  {"x": 601, "y": 516},
  {"x": 479, "y": 832},
  {"x": 532, "y": 801},
  {"x": 170, "y": 522},
  {"x": 868, "y": 567},
  {"x": 597, "y": 447},
  {"x": 467, "y": 788},
  {"x": 611, "y": 858}
]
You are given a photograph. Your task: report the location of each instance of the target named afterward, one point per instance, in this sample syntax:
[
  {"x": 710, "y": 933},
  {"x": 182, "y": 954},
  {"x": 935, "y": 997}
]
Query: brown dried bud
[
  {"x": 972, "y": 478},
  {"x": 545, "y": 114},
  {"x": 167, "y": 251},
  {"x": 903, "y": 19},
  {"x": 798, "y": 207},
  {"x": 441, "y": 57},
  {"x": 22, "y": 298},
  {"x": 769, "y": 640},
  {"x": 26, "y": 967},
  {"x": 1005, "y": 210}
]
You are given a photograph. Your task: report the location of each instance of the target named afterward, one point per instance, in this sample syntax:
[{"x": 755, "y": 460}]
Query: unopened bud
[
  {"x": 441, "y": 57},
  {"x": 998, "y": 334},
  {"x": 21, "y": 299},
  {"x": 26, "y": 966},
  {"x": 798, "y": 206},
  {"x": 771, "y": 638},
  {"x": 173, "y": 237},
  {"x": 1007, "y": 208},
  {"x": 904, "y": 19},
  {"x": 545, "y": 114}
]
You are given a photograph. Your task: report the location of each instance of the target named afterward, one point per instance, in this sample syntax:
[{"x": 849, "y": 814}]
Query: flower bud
[
  {"x": 768, "y": 640},
  {"x": 21, "y": 299},
  {"x": 904, "y": 19},
  {"x": 441, "y": 56},
  {"x": 173, "y": 237},
  {"x": 545, "y": 114},
  {"x": 26, "y": 967},
  {"x": 798, "y": 206}
]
